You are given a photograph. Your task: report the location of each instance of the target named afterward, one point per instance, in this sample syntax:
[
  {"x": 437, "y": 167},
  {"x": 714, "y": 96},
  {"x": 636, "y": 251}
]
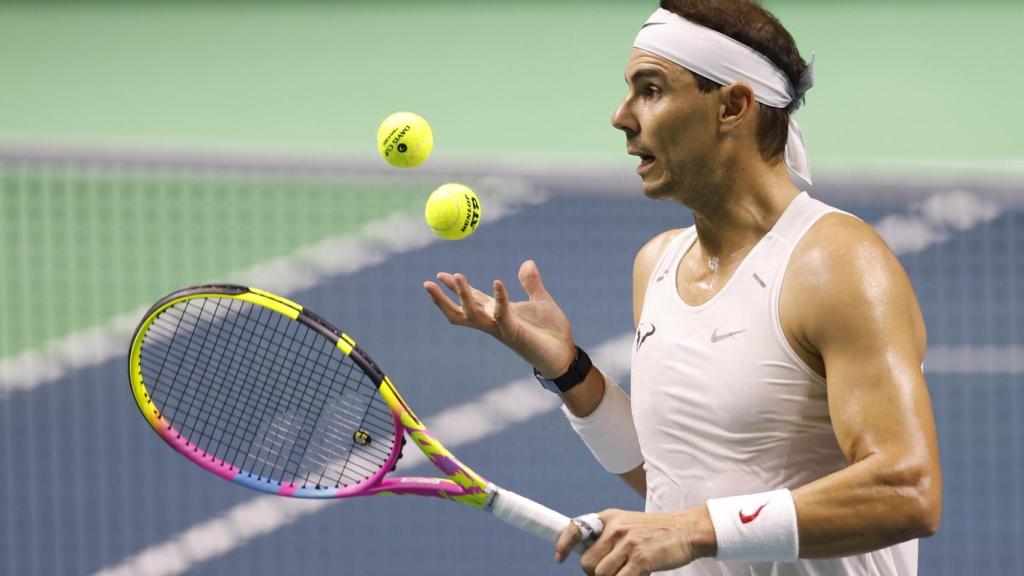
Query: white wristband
[
  {"x": 609, "y": 431},
  {"x": 756, "y": 526}
]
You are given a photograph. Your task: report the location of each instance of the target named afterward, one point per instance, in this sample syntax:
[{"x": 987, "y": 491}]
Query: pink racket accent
[{"x": 194, "y": 453}]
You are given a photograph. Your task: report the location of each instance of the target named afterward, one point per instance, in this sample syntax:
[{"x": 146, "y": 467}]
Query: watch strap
[{"x": 576, "y": 373}]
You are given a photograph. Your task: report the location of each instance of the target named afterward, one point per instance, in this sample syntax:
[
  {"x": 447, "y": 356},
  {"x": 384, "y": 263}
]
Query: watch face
[{"x": 547, "y": 384}]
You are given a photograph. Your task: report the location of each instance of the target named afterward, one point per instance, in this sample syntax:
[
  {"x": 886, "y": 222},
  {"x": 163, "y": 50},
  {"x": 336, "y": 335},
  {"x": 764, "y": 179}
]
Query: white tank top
[{"x": 722, "y": 404}]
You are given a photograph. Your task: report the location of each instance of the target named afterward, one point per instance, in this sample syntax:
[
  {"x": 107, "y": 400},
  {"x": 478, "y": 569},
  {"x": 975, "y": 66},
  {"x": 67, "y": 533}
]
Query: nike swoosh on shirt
[
  {"x": 716, "y": 337},
  {"x": 748, "y": 518}
]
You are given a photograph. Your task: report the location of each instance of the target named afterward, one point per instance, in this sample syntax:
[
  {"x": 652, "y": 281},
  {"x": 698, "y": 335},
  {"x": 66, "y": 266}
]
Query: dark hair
[{"x": 746, "y": 21}]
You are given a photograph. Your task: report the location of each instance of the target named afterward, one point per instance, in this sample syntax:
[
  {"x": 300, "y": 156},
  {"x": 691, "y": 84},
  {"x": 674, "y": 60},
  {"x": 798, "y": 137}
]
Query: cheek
[
  {"x": 677, "y": 138},
  {"x": 690, "y": 133}
]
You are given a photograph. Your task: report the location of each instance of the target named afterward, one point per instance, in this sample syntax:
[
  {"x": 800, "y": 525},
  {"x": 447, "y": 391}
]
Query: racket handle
[{"x": 537, "y": 519}]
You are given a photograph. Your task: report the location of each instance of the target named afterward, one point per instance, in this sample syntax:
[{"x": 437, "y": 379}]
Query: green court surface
[{"x": 81, "y": 245}]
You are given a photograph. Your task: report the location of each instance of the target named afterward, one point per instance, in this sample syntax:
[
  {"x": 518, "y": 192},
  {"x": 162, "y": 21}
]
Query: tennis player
[{"x": 779, "y": 421}]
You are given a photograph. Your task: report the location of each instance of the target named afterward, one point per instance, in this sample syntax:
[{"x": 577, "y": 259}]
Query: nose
[{"x": 624, "y": 119}]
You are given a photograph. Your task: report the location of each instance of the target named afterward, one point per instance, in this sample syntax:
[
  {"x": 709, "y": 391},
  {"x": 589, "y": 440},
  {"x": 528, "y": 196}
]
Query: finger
[
  {"x": 451, "y": 310},
  {"x": 567, "y": 540},
  {"x": 447, "y": 279},
  {"x": 472, "y": 306},
  {"x": 529, "y": 278},
  {"x": 611, "y": 563},
  {"x": 592, "y": 556},
  {"x": 605, "y": 542},
  {"x": 631, "y": 569},
  {"x": 460, "y": 280},
  {"x": 502, "y": 309}
]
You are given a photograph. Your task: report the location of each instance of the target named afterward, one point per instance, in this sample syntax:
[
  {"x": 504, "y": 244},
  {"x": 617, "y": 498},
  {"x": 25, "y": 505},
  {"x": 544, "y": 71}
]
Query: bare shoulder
[
  {"x": 648, "y": 255},
  {"x": 643, "y": 265},
  {"x": 843, "y": 271},
  {"x": 841, "y": 252}
]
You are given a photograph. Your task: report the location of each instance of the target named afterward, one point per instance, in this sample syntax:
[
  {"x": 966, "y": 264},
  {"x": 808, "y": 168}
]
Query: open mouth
[{"x": 646, "y": 160}]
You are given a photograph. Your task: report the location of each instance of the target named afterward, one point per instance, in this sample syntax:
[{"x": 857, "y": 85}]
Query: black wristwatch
[{"x": 577, "y": 373}]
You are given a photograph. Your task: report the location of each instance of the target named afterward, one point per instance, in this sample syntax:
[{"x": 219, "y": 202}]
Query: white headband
[{"x": 722, "y": 59}]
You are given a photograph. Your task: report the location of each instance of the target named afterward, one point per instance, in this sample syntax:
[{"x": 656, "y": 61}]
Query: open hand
[{"x": 536, "y": 329}]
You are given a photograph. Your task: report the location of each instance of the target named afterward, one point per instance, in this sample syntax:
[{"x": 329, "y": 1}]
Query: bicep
[
  {"x": 872, "y": 347},
  {"x": 851, "y": 304},
  {"x": 871, "y": 339},
  {"x": 877, "y": 396}
]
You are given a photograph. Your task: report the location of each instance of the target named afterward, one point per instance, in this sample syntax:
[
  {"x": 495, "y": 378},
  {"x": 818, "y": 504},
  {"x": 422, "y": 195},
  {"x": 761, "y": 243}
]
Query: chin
[
  {"x": 657, "y": 189},
  {"x": 652, "y": 192}
]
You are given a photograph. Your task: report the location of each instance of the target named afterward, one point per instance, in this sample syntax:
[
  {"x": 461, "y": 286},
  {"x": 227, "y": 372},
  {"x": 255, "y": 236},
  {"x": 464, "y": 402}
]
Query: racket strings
[
  {"x": 245, "y": 366},
  {"x": 266, "y": 394},
  {"x": 186, "y": 398},
  {"x": 197, "y": 413},
  {"x": 278, "y": 436}
]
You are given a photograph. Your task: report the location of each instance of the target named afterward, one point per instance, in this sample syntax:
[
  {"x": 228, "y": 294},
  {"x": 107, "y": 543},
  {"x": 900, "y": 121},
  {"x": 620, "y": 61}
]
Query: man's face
[{"x": 670, "y": 125}]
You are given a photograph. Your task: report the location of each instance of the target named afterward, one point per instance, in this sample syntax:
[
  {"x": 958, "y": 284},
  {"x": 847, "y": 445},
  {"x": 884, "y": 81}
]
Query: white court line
[
  {"x": 306, "y": 267},
  {"x": 935, "y": 219},
  {"x": 492, "y": 413},
  {"x": 969, "y": 359}
]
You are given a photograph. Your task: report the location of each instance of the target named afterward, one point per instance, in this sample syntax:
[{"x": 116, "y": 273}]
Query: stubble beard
[{"x": 684, "y": 187}]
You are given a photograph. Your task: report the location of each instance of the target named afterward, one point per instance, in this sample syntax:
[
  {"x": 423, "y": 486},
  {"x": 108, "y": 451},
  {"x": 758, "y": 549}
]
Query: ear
[{"x": 736, "y": 104}]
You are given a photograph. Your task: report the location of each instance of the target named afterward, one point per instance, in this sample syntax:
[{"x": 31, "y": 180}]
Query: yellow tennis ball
[
  {"x": 453, "y": 211},
  {"x": 405, "y": 140}
]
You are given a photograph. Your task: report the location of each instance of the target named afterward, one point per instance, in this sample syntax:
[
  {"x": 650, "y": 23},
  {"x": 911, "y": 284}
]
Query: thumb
[{"x": 529, "y": 278}]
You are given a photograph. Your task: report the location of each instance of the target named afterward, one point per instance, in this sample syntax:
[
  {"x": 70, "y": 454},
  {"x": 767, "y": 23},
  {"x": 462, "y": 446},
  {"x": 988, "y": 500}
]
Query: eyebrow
[{"x": 645, "y": 73}]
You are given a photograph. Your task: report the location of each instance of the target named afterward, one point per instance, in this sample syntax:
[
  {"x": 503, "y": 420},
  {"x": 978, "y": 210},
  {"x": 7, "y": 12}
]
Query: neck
[{"x": 731, "y": 218}]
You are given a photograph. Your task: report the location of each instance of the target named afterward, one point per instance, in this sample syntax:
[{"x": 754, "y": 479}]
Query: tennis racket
[{"x": 260, "y": 391}]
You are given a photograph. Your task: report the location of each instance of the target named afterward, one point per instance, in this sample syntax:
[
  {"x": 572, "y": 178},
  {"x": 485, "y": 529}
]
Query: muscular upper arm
[
  {"x": 643, "y": 265},
  {"x": 847, "y": 299}
]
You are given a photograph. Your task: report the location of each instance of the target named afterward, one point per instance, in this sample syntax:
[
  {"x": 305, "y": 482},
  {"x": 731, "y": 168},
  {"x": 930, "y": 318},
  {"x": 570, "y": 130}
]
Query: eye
[{"x": 650, "y": 90}]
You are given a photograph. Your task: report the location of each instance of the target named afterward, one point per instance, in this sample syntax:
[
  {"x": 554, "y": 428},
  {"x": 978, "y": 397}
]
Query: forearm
[
  {"x": 599, "y": 412},
  {"x": 871, "y": 504},
  {"x": 585, "y": 397},
  {"x": 874, "y": 503},
  {"x": 637, "y": 480}
]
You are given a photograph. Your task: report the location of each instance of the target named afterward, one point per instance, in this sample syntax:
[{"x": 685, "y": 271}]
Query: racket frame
[{"x": 460, "y": 484}]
